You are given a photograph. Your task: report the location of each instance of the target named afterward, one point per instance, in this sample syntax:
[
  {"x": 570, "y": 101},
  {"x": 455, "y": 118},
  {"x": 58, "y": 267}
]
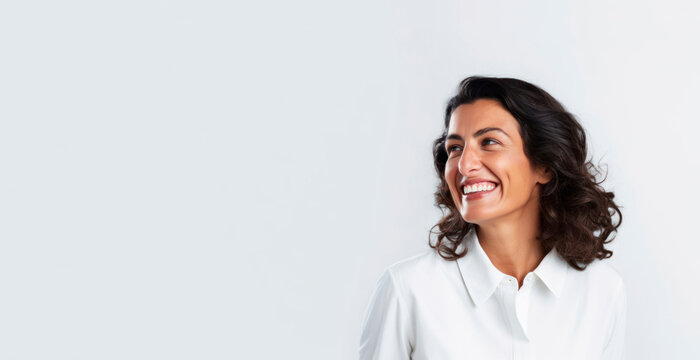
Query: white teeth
[{"x": 486, "y": 186}]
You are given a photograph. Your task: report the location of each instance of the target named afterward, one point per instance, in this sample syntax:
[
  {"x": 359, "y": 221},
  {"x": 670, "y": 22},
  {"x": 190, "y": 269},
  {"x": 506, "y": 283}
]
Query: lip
[
  {"x": 477, "y": 195},
  {"x": 474, "y": 181},
  {"x": 480, "y": 194}
]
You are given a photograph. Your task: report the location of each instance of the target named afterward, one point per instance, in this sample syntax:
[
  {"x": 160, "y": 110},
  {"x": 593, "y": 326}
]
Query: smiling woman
[
  {"x": 515, "y": 271},
  {"x": 494, "y": 161},
  {"x": 572, "y": 206}
]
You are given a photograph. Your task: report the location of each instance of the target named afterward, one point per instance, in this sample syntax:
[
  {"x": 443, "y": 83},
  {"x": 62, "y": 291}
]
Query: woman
[{"x": 515, "y": 272}]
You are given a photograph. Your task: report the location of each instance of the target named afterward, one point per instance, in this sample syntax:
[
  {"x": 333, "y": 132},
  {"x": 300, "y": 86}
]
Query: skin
[{"x": 508, "y": 218}]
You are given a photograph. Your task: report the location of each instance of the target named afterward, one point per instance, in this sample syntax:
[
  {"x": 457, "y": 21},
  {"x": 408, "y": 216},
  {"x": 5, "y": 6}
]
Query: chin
[
  {"x": 475, "y": 218},
  {"x": 471, "y": 218}
]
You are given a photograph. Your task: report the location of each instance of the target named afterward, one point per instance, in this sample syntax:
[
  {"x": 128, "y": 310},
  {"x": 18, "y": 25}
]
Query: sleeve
[
  {"x": 615, "y": 347},
  {"x": 385, "y": 331}
]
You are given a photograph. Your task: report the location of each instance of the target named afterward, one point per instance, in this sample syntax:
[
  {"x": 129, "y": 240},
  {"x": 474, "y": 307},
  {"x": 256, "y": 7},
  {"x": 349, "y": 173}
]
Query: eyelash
[{"x": 449, "y": 149}]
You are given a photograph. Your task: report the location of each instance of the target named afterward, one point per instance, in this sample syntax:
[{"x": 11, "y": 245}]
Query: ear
[{"x": 544, "y": 175}]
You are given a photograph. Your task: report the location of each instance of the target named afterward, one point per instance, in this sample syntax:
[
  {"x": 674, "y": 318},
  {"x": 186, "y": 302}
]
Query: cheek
[
  {"x": 449, "y": 169},
  {"x": 450, "y": 175},
  {"x": 521, "y": 179},
  {"x": 509, "y": 170}
]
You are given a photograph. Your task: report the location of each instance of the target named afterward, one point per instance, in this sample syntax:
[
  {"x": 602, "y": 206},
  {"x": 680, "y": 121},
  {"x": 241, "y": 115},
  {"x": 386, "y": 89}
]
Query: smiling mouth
[{"x": 478, "y": 188}]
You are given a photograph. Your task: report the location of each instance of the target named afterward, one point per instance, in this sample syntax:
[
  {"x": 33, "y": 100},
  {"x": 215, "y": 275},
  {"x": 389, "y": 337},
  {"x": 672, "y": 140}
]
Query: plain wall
[{"x": 217, "y": 180}]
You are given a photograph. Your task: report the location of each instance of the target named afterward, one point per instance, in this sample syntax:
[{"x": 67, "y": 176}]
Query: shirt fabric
[{"x": 426, "y": 307}]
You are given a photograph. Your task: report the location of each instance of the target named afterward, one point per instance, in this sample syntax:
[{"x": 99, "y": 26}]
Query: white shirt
[{"x": 425, "y": 307}]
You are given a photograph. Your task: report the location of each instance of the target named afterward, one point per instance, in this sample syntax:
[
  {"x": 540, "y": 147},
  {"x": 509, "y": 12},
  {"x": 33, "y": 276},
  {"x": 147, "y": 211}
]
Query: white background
[{"x": 218, "y": 180}]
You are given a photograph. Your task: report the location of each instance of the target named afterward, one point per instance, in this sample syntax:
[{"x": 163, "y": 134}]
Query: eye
[
  {"x": 450, "y": 148},
  {"x": 487, "y": 140}
]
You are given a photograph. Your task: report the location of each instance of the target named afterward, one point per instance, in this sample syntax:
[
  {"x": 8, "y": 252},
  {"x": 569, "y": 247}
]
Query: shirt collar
[
  {"x": 481, "y": 277},
  {"x": 552, "y": 271}
]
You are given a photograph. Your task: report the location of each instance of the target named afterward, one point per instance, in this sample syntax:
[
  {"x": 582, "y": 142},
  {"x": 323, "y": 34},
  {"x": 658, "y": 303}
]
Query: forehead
[{"x": 479, "y": 114}]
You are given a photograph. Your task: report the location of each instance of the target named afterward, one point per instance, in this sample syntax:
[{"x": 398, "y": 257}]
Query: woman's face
[{"x": 483, "y": 142}]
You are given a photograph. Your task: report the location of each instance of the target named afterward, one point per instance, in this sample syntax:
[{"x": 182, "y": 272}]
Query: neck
[{"x": 511, "y": 242}]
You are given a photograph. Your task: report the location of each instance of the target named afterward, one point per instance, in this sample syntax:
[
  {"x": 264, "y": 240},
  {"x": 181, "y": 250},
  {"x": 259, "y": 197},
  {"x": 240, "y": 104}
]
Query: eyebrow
[{"x": 477, "y": 133}]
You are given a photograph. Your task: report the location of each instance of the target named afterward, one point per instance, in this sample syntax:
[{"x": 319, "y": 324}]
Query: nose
[{"x": 469, "y": 161}]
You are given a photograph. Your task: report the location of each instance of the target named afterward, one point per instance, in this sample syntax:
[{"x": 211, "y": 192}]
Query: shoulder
[
  {"x": 602, "y": 272},
  {"x": 425, "y": 261},
  {"x": 600, "y": 278},
  {"x": 607, "y": 296},
  {"x": 416, "y": 270}
]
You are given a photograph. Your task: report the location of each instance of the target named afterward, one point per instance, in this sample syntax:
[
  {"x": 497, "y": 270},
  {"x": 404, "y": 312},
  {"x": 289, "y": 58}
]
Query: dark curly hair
[{"x": 576, "y": 213}]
